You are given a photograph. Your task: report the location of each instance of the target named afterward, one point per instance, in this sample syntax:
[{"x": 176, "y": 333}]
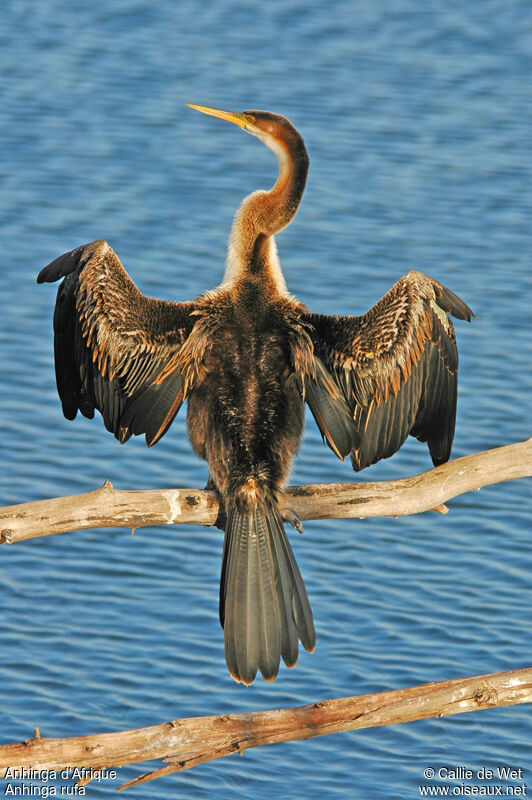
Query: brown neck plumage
[{"x": 262, "y": 214}]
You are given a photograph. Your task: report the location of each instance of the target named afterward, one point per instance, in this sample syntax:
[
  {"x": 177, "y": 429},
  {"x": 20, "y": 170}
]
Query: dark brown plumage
[{"x": 246, "y": 356}]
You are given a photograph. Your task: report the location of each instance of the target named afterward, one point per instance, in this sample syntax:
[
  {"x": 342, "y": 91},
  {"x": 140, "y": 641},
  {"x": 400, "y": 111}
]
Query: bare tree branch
[
  {"x": 107, "y": 507},
  {"x": 185, "y": 743}
]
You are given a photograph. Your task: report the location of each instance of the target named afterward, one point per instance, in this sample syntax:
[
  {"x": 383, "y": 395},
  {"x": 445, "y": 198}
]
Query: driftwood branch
[
  {"x": 107, "y": 507},
  {"x": 184, "y": 743}
]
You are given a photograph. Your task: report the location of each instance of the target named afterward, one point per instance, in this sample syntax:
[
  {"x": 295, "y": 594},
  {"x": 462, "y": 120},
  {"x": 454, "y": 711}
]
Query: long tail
[{"x": 264, "y": 608}]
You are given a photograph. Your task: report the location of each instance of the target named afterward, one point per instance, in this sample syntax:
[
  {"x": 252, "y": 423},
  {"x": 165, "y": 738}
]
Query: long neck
[{"x": 262, "y": 214}]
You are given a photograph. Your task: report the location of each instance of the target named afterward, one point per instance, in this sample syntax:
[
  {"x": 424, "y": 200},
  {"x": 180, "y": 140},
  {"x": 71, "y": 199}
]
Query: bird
[{"x": 247, "y": 356}]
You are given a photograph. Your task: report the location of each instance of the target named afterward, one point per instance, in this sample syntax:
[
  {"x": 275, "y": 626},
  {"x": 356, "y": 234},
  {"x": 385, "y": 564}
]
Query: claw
[
  {"x": 291, "y": 517},
  {"x": 221, "y": 519}
]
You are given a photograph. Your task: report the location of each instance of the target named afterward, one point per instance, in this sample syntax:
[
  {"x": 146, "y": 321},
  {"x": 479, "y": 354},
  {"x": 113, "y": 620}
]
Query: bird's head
[{"x": 274, "y": 130}]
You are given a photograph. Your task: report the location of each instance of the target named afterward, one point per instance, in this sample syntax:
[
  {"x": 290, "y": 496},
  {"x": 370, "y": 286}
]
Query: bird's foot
[
  {"x": 291, "y": 517},
  {"x": 221, "y": 519}
]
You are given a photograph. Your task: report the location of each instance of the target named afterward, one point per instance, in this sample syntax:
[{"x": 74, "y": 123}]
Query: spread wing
[
  {"x": 115, "y": 349},
  {"x": 388, "y": 373}
]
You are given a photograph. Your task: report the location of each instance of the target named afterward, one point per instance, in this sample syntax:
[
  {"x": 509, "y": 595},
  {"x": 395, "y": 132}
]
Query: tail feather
[
  {"x": 263, "y": 589},
  {"x": 264, "y": 608},
  {"x": 302, "y": 613}
]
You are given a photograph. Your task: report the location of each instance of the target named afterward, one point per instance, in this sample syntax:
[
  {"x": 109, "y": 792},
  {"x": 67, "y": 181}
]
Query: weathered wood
[
  {"x": 191, "y": 741},
  {"x": 107, "y": 507},
  {"x": 187, "y": 742}
]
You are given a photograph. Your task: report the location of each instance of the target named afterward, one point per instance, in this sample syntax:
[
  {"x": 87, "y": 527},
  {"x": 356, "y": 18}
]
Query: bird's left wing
[
  {"x": 115, "y": 349},
  {"x": 388, "y": 373}
]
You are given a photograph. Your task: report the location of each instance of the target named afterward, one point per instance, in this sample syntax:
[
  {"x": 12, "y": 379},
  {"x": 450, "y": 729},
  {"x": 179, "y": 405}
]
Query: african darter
[{"x": 247, "y": 356}]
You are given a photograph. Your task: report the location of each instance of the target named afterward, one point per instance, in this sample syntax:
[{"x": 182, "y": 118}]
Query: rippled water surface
[{"x": 417, "y": 118}]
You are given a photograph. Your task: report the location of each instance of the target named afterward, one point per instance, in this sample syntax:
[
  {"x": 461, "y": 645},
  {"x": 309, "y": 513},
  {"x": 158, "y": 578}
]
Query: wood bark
[
  {"x": 107, "y": 507},
  {"x": 185, "y": 743}
]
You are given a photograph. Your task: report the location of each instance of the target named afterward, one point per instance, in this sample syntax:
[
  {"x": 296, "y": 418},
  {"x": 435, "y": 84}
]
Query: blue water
[{"x": 417, "y": 117}]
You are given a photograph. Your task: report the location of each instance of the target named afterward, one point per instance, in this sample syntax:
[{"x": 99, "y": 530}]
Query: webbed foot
[
  {"x": 291, "y": 517},
  {"x": 221, "y": 519}
]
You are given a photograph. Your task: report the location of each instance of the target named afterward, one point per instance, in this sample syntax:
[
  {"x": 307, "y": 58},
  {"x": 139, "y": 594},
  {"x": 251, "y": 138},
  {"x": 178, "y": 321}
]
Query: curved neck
[{"x": 262, "y": 214}]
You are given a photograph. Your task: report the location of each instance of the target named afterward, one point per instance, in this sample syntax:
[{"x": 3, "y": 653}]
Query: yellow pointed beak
[{"x": 242, "y": 120}]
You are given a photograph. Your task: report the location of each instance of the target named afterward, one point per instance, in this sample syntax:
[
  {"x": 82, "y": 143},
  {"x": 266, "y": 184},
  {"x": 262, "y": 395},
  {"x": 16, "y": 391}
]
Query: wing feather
[
  {"x": 115, "y": 349},
  {"x": 394, "y": 369},
  {"x": 331, "y": 412}
]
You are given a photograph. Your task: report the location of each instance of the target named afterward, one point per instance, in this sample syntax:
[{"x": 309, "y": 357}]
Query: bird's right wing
[
  {"x": 115, "y": 349},
  {"x": 388, "y": 373}
]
